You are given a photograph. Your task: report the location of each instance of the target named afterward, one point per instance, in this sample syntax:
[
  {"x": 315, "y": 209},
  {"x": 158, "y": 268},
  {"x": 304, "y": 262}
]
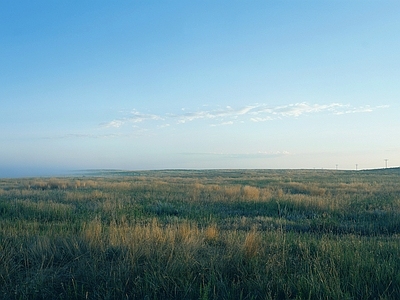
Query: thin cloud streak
[
  {"x": 113, "y": 124},
  {"x": 361, "y": 109},
  {"x": 298, "y": 109},
  {"x": 228, "y": 112},
  {"x": 254, "y": 113},
  {"x": 222, "y": 124},
  {"x": 136, "y": 117},
  {"x": 85, "y": 136}
]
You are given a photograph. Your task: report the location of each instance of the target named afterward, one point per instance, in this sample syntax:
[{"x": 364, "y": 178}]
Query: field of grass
[{"x": 212, "y": 234}]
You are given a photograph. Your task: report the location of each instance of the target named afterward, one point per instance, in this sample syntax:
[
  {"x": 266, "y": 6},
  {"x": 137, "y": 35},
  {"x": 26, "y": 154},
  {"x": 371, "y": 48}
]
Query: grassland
[{"x": 226, "y": 234}]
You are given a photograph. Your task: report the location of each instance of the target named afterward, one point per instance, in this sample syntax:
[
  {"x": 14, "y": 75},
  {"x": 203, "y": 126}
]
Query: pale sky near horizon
[{"x": 198, "y": 84}]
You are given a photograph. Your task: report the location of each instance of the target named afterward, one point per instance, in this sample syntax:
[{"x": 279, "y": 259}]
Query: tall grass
[{"x": 245, "y": 234}]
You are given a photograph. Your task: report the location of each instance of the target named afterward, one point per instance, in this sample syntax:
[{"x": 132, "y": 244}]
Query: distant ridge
[{"x": 394, "y": 170}]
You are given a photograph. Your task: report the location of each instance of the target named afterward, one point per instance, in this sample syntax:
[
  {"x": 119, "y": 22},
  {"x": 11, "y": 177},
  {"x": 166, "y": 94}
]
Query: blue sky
[{"x": 198, "y": 84}]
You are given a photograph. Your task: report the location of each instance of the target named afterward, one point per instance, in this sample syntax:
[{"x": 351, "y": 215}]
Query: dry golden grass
[
  {"x": 250, "y": 193},
  {"x": 233, "y": 191},
  {"x": 93, "y": 232},
  {"x": 252, "y": 244},
  {"x": 211, "y": 233}
]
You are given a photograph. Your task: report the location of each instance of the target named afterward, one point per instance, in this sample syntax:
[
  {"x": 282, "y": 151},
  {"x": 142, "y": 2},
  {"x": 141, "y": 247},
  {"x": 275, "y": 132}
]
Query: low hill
[{"x": 394, "y": 170}]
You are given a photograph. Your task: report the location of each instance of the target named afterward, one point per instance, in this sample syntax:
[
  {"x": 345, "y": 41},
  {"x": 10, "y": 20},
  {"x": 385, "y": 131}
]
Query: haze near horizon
[{"x": 198, "y": 84}]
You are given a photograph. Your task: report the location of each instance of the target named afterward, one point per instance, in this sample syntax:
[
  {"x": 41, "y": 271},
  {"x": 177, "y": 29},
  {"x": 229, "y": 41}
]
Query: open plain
[{"x": 202, "y": 234}]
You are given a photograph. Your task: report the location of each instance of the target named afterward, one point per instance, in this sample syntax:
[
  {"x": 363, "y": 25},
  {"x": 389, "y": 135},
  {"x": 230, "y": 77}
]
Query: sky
[{"x": 200, "y": 84}]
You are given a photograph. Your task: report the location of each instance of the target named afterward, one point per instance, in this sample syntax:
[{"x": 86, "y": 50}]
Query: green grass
[{"x": 226, "y": 234}]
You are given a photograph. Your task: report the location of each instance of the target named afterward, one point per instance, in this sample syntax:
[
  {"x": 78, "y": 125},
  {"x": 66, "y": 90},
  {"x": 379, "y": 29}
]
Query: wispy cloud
[
  {"x": 143, "y": 124},
  {"x": 137, "y": 132},
  {"x": 298, "y": 109},
  {"x": 81, "y": 136},
  {"x": 254, "y": 113},
  {"x": 224, "y": 113},
  {"x": 114, "y": 123},
  {"x": 134, "y": 117},
  {"x": 137, "y": 117},
  {"x": 260, "y": 119},
  {"x": 223, "y": 124},
  {"x": 361, "y": 109},
  {"x": 264, "y": 113}
]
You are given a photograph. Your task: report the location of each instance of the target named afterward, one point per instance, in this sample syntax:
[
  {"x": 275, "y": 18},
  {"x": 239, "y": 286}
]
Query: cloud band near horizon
[{"x": 253, "y": 113}]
